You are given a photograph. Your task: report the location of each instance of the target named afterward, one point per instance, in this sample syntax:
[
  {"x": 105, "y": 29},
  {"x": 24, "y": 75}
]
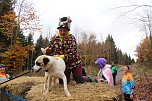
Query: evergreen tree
[
  {"x": 46, "y": 42},
  {"x": 119, "y": 54},
  {"x": 22, "y": 39},
  {"x": 6, "y": 6},
  {"x": 30, "y": 39},
  {"x": 39, "y": 44},
  {"x": 30, "y": 51},
  {"x": 7, "y": 23},
  {"x": 111, "y": 49},
  {"x": 129, "y": 60}
]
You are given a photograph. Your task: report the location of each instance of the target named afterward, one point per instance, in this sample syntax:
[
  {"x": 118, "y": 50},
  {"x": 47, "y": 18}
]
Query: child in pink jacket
[{"x": 104, "y": 73}]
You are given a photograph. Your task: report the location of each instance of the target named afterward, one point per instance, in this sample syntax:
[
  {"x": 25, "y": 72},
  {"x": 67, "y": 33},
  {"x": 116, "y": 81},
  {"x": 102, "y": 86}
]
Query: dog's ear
[
  {"x": 43, "y": 51},
  {"x": 45, "y": 60}
]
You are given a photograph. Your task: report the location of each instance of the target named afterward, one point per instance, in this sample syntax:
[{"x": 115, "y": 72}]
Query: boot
[
  {"x": 93, "y": 80},
  {"x": 79, "y": 79}
]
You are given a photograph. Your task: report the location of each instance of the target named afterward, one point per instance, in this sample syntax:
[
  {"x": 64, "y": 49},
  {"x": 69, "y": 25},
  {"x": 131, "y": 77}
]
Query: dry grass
[{"x": 31, "y": 89}]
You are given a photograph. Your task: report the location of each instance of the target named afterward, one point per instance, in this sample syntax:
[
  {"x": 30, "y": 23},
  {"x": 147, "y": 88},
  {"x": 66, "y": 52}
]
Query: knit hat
[
  {"x": 64, "y": 22},
  {"x": 2, "y": 65},
  {"x": 101, "y": 62}
]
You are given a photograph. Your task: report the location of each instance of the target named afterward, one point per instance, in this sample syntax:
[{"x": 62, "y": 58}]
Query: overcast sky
[{"x": 95, "y": 16}]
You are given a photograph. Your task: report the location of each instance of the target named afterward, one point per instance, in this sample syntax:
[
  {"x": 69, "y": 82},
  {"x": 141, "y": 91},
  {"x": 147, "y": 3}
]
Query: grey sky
[{"x": 94, "y": 16}]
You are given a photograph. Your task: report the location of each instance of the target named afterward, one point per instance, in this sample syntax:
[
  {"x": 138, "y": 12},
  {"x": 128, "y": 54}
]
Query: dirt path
[{"x": 119, "y": 74}]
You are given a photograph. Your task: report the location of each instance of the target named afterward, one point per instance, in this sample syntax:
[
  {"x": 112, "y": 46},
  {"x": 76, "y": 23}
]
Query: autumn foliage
[
  {"x": 8, "y": 24},
  {"x": 13, "y": 55},
  {"x": 15, "y": 48},
  {"x": 144, "y": 50},
  {"x": 15, "y": 58}
]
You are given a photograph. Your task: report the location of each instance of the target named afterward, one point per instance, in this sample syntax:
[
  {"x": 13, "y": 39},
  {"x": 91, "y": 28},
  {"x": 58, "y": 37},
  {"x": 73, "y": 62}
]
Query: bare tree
[{"x": 27, "y": 18}]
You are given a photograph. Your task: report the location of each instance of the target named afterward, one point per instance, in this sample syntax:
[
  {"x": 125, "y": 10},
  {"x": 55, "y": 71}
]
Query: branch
[
  {"x": 132, "y": 6},
  {"x": 130, "y": 11}
]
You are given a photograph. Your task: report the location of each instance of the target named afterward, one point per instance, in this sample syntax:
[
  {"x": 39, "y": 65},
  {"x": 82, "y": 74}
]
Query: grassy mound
[{"x": 31, "y": 89}]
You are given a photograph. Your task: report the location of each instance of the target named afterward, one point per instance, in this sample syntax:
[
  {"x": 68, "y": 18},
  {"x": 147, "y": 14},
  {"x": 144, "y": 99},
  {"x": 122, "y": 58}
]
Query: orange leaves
[
  {"x": 8, "y": 24},
  {"x": 144, "y": 52},
  {"x": 10, "y": 16},
  {"x": 16, "y": 57}
]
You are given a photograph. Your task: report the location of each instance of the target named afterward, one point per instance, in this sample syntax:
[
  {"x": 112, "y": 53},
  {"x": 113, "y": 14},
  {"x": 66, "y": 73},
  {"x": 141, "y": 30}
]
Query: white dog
[
  {"x": 54, "y": 67},
  {"x": 43, "y": 50}
]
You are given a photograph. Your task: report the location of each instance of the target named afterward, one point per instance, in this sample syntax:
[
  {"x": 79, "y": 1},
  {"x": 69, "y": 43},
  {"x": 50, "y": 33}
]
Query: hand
[
  {"x": 100, "y": 80},
  {"x": 47, "y": 48}
]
